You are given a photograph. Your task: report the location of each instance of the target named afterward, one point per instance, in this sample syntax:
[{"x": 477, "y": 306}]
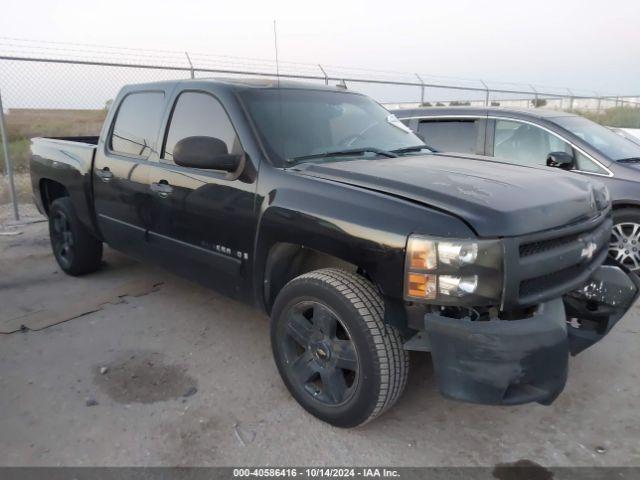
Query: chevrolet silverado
[{"x": 318, "y": 206}]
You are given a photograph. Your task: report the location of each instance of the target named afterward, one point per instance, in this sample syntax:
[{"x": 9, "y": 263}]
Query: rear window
[
  {"x": 135, "y": 128},
  {"x": 459, "y": 136}
]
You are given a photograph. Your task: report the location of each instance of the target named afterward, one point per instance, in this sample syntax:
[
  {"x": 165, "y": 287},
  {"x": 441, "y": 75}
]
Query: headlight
[{"x": 443, "y": 271}]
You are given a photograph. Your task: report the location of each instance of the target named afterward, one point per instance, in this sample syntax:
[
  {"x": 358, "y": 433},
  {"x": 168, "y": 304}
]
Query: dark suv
[{"x": 528, "y": 136}]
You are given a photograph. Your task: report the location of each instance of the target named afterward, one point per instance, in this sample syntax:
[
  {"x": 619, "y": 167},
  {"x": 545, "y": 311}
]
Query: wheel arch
[
  {"x": 286, "y": 261},
  {"x": 621, "y": 204},
  {"x": 50, "y": 191}
]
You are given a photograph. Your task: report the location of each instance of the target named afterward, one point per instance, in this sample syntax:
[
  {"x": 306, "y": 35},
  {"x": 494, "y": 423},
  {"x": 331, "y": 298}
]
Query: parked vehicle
[
  {"x": 631, "y": 134},
  {"x": 319, "y": 207},
  {"x": 529, "y": 136}
]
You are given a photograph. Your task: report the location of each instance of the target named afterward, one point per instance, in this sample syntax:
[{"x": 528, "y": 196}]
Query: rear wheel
[
  {"x": 625, "y": 237},
  {"x": 74, "y": 248},
  {"x": 333, "y": 350}
]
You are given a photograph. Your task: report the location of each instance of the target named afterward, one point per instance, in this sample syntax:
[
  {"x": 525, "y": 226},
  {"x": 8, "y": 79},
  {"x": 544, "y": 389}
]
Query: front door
[
  {"x": 203, "y": 222},
  {"x": 523, "y": 143}
]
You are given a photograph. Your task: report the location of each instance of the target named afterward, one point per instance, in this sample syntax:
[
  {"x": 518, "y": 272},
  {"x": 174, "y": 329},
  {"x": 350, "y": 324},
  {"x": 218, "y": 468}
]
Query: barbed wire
[
  {"x": 66, "y": 89},
  {"x": 207, "y": 61}
]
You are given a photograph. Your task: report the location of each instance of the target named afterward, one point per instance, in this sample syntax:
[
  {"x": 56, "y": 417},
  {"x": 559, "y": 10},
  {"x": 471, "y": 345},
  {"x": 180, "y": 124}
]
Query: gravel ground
[{"x": 177, "y": 375}]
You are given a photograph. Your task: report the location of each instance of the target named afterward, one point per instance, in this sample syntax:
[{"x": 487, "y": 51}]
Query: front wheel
[
  {"x": 625, "y": 238},
  {"x": 336, "y": 355}
]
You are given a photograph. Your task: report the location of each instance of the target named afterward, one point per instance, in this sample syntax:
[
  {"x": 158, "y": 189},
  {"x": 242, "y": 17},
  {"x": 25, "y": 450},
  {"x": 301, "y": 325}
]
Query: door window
[
  {"x": 585, "y": 164},
  {"x": 135, "y": 128},
  {"x": 525, "y": 144},
  {"x": 450, "y": 135},
  {"x": 199, "y": 114}
]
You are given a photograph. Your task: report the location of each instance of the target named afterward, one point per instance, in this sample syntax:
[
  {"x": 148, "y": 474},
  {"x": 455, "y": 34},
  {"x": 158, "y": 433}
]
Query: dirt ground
[{"x": 164, "y": 372}]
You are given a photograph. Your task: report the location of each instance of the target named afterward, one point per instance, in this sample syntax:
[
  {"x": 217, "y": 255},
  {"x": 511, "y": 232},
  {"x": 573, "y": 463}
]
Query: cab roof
[{"x": 246, "y": 83}]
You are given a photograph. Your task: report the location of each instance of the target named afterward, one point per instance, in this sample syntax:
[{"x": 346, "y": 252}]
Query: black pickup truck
[{"x": 318, "y": 206}]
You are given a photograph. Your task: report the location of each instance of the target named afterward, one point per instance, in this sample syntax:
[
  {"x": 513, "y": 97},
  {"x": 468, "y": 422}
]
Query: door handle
[
  {"x": 162, "y": 188},
  {"x": 104, "y": 174}
]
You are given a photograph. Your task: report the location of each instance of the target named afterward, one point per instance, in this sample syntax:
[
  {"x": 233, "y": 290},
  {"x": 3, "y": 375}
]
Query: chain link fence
[
  {"x": 54, "y": 100},
  {"x": 63, "y": 89}
]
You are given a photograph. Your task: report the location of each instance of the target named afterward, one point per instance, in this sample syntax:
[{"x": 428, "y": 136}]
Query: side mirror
[
  {"x": 561, "y": 160},
  {"x": 205, "y": 152}
]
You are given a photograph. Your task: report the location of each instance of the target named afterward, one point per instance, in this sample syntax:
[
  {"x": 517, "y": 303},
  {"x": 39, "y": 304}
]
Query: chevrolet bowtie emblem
[{"x": 588, "y": 250}]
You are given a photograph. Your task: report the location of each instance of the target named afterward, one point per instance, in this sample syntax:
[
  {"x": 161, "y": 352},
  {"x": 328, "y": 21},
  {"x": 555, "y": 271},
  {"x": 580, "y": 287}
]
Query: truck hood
[{"x": 496, "y": 199}]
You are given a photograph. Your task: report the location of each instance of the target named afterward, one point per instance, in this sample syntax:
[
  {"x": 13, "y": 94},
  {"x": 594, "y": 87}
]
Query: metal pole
[
  {"x": 190, "y": 65},
  {"x": 421, "y": 90},
  {"x": 535, "y": 92},
  {"x": 486, "y": 95},
  {"x": 570, "y": 99},
  {"x": 7, "y": 161},
  {"x": 326, "y": 78},
  {"x": 599, "y": 105}
]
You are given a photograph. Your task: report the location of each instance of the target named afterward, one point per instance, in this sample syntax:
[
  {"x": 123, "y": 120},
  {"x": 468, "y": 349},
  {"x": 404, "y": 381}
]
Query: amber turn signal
[{"x": 421, "y": 285}]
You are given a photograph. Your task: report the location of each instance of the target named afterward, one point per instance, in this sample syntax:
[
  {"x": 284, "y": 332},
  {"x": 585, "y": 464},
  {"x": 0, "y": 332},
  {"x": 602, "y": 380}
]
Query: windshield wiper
[
  {"x": 629, "y": 160},
  {"x": 340, "y": 153},
  {"x": 416, "y": 148}
]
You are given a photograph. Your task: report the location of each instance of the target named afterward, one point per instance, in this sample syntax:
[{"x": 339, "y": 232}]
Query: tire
[
  {"x": 335, "y": 354},
  {"x": 74, "y": 248},
  {"x": 625, "y": 237}
]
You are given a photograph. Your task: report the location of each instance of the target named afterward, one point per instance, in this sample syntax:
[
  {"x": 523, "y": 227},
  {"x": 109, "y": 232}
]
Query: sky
[{"x": 588, "y": 45}]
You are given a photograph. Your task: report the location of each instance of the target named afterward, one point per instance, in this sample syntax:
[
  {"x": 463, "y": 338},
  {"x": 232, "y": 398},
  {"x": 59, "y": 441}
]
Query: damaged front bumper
[{"x": 510, "y": 362}]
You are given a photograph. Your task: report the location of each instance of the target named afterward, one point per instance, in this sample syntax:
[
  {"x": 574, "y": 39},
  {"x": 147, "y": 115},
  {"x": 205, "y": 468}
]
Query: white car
[{"x": 631, "y": 134}]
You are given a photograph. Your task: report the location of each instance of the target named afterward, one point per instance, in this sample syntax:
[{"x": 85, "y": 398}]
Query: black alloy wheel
[
  {"x": 62, "y": 239},
  {"x": 335, "y": 353},
  {"x": 319, "y": 353},
  {"x": 76, "y": 250}
]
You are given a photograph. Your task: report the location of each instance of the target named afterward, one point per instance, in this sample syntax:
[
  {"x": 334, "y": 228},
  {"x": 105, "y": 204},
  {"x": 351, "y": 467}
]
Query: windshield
[
  {"x": 297, "y": 125},
  {"x": 601, "y": 138}
]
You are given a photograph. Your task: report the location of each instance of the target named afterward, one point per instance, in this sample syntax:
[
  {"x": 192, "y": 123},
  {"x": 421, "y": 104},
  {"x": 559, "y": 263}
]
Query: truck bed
[
  {"x": 77, "y": 152},
  {"x": 67, "y": 162},
  {"x": 90, "y": 140}
]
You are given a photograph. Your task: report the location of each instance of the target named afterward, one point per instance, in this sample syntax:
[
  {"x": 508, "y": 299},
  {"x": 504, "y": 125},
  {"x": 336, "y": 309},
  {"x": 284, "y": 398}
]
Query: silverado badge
[{"x": 588, "y": 250}]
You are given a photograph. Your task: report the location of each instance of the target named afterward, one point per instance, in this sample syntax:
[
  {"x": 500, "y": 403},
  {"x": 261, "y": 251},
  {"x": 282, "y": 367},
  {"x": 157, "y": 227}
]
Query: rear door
[
  {"x": 203, "y": 220},
  {"x": 121, "y": 169},
  {"x": 454, "y": 134}
]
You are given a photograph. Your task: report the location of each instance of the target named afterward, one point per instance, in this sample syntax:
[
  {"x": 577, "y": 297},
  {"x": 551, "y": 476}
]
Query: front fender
[{"x": 367, "y": 229}]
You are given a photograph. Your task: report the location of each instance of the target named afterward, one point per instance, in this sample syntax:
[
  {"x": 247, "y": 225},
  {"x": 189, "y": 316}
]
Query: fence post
[
  {"x": 421, "y": 90},
  {"x": 326, "y": 78},
  {"x": 190, "y": 65},
  {"x": 486, "y": 95},
  {"x": 535, "y": 92},
  {"x": 7, "y": 161},
  {"x": 570, "y": 99}
]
